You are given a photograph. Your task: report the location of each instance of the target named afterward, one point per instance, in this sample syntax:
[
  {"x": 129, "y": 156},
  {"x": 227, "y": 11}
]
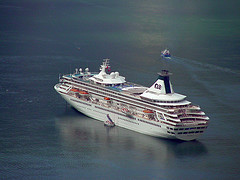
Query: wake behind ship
[{"x": 156, "y": 111}]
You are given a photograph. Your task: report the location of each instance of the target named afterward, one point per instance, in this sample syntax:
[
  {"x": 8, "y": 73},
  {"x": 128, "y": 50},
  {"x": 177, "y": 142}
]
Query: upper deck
[
  {"x": 127, "y": 88},
  {"x": 160, "y": 93}
]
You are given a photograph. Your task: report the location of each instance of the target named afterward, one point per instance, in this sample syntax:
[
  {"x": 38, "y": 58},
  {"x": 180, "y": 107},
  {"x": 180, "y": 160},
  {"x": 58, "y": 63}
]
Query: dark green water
[{"x": 42, "y": 138}]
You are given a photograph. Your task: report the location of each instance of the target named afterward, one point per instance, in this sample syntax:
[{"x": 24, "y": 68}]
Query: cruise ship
[{"x": 156, "y": 111}]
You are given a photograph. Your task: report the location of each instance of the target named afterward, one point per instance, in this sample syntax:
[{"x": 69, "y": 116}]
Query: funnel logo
[{"x": 157, "y": 86}]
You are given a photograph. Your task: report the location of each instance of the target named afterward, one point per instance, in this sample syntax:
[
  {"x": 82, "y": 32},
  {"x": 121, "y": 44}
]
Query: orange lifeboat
[
  {"x": 83, "y": 92},
  {"x": 74, "y": 90},
  {"x": 78, "y": 91},
  {"x": 107, "y": 98},
  {"x": 147, "y": 111}
]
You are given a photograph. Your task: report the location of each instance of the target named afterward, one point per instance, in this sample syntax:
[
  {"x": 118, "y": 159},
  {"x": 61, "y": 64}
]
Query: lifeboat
[
  {"x": 107, "y": 98},
  {"x": 83, "y": 92},
  {"x": 74, "y": 90},
  {"x": 146, "y": 111},
  {"x": 80, "y": 92}
]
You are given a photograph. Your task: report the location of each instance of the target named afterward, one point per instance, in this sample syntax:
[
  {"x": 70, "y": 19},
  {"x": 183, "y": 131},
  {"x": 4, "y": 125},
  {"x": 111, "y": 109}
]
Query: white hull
[{"x": 122, "y": 120}]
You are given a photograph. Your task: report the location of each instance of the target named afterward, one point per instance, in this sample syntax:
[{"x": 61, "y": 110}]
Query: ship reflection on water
[{"x": 81, "y": 134}]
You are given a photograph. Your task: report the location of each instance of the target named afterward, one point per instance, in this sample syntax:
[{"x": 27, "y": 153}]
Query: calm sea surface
[{"x": 43, "y": 138}]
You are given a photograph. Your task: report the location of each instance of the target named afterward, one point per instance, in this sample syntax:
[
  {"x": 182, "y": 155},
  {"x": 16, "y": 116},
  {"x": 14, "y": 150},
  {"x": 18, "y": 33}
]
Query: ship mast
[{"x": 105, "y": 65}]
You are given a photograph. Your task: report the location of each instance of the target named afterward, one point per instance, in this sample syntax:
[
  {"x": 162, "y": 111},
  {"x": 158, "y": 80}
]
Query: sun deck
[{"x": 126, "y": 87}]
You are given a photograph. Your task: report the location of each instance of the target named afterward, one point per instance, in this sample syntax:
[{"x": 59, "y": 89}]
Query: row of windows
[
  {"x": 165, "y": 101},
  {"x": 191, "y": 132},
  {"x": 181, "y": 129},
  {"x": 191, "y": 115},
  {"x": 190, "y": 119}
]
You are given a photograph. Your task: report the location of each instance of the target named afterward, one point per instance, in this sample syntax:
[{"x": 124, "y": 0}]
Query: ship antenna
[
  {"x": 106, "y": 61},
  {"x": 105, "y": 64}
]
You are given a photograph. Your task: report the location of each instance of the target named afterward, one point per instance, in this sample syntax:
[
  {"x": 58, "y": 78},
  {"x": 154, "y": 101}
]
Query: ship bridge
[{"x": 105, "y": 79}]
